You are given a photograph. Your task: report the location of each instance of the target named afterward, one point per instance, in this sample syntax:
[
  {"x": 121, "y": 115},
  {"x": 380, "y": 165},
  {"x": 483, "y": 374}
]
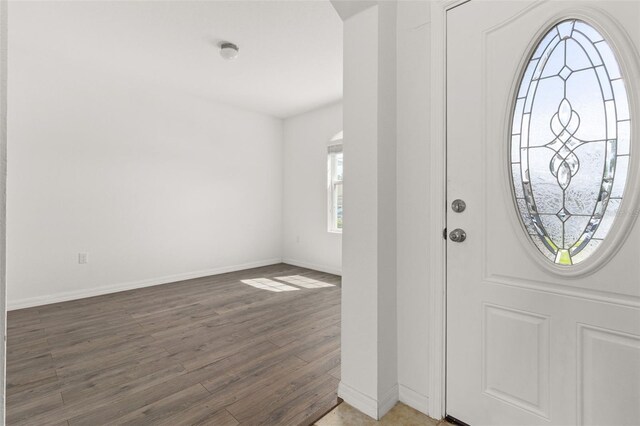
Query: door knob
[{"x": 458, "y": 235}]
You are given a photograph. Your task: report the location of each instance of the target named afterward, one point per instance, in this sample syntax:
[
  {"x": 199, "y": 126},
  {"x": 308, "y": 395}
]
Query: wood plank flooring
[{"x": 212, "y": 350}]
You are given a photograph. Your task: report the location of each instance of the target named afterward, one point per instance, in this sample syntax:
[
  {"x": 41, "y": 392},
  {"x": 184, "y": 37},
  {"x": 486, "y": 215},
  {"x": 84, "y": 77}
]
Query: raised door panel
[{"x": 609, "y": 377}]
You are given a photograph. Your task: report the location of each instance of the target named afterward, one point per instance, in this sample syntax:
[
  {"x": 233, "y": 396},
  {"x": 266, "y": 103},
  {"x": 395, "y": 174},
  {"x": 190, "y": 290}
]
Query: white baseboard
[
  {"x": 413, "y": 399},
  {"x": 314, "y": 266},
  {"x": 358, "y": 400},
  {"x": 366, "y": 404},
  {"x": 387, "y": 401},
  {"x": 114, "y": 288}
]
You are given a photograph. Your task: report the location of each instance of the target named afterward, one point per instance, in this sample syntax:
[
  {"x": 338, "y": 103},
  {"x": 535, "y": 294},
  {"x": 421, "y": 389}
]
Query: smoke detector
[{"x": 229, "y": 51}]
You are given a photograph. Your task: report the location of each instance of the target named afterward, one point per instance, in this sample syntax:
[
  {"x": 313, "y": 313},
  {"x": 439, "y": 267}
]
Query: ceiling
[
  {"x": 347, "y": 8},
  {"x": 290, "y": 51}
]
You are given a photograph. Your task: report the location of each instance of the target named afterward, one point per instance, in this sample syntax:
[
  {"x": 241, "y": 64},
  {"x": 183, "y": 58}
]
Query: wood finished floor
[{"x": 211, "y": 350}]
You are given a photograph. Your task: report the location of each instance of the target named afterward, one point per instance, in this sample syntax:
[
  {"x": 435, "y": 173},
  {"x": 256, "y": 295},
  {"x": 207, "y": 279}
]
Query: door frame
[{"x": 438, "y": 211}]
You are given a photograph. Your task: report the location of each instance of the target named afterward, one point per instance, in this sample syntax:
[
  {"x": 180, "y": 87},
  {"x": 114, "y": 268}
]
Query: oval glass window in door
[{"x": 570, "y": 142}]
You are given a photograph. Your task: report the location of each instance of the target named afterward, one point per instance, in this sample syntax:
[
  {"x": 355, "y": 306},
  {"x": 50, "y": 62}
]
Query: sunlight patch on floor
[
  {"x": 304, "y": 282},
  {"x": 267, "y": 284}
]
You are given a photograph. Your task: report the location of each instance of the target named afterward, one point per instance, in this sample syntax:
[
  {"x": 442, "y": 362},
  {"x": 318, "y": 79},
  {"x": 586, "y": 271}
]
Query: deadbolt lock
[{"x": 458, "y": 206}]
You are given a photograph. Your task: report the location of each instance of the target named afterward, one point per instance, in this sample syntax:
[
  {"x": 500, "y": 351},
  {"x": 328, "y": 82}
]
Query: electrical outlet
[{"x": 82, "y": 258}]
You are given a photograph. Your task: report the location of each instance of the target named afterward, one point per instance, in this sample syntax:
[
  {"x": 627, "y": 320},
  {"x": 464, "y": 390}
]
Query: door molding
[{"x": 438, "y": 212}]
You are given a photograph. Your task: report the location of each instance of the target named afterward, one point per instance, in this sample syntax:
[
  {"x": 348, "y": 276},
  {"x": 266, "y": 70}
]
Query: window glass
[
  {"x": 570, "y": 142},
  {"x": 335, "y": 170}
]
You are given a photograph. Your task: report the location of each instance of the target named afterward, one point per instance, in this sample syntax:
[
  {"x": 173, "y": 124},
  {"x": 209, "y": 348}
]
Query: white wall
[
  {"x": 369, "y": 327},
  {"x": 306, "y": 241},
  {"x": 413, "y": 201},
  {"x": 154, "y": 184},
  {"x": 359, "y": 347},
  {"x": 3, "y": 188},
  {"x": 386, "y": 288},
  {"x": 387, "y": 202}
]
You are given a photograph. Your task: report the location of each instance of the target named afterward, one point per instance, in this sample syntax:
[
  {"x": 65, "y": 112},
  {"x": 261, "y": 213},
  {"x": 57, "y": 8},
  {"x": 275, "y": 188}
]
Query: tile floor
[{"x": 400, "y": 415}]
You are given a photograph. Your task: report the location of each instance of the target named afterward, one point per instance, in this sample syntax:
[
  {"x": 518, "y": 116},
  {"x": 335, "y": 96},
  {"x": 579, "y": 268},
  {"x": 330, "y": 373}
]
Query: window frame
[
  {"x": 333, "y": 149},
  {"x": 605, "y": 251}
]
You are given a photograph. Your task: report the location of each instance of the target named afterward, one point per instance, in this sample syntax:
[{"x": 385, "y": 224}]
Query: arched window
[{"x": 334, "y": 183}]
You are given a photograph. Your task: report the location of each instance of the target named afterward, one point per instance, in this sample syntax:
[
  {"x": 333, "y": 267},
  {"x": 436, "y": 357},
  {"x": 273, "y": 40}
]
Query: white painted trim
[
  {"x": 114, "y": 288},
  {"x": 414, "y": 399},
  {"x": 314, "y": 266},
  {"x": 358, "y": 400},
  {"x": 438, "y": 193},
  {"x": 367, "y": 405},
  {"x": 388, "y": 401}
]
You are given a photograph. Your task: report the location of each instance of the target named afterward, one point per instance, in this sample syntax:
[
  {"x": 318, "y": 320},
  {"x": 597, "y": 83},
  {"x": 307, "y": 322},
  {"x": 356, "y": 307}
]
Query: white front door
[{"x": 543, "y": 146}]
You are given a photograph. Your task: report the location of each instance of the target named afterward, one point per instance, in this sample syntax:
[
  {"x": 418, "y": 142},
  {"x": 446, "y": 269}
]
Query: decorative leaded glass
[{"x": 570, "y": 142}]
